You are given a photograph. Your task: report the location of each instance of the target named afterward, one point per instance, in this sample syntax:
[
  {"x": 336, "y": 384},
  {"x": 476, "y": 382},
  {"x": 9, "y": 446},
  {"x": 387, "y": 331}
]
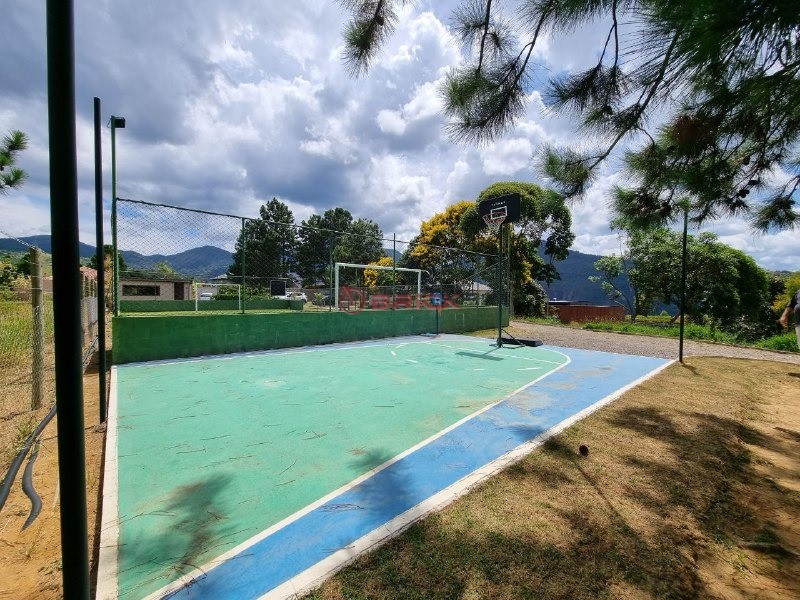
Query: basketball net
[{"x": 494, "y": 223}]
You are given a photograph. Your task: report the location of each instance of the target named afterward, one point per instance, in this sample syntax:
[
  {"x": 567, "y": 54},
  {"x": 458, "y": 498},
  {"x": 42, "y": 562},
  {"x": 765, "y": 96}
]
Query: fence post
[
  {"x": 37, "y": 305},
  {"x": 243, "y": 287},
  {"x": 394, "y": 269}
]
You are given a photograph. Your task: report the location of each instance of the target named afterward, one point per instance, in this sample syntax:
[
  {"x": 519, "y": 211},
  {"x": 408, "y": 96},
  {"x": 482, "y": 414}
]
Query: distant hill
[
  {"x": 204, "y": 262},
  {"x": 574, "y": 283},
  {"x": 43, "y": 242}
]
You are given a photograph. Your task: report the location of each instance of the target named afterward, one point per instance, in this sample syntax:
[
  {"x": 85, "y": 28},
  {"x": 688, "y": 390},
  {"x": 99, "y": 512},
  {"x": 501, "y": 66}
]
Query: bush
[{"x": 786, "y": 342}]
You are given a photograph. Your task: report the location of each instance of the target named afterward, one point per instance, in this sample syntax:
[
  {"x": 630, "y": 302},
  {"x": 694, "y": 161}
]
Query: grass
[
  {"x": 661, "y": 326},
  {"x": 16, "y": 329},
  {"x": 17, "y": 420},
  {"x": 688, "y": 490}
]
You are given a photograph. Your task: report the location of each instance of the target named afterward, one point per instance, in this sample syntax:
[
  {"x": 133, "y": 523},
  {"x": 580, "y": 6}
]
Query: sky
[{"x": 228, "y": 104}]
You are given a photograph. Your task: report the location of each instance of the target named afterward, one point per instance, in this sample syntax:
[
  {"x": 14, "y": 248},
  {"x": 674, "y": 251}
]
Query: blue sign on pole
[{"x": 436, "y": 299}]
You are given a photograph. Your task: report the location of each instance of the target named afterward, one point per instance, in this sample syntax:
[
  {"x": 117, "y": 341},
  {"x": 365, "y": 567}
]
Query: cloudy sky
[{"x": 231, "y": 103}]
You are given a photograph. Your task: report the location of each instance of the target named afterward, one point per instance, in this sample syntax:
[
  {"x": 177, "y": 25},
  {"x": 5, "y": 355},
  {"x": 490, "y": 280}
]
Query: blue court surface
[{"x": 258, "y": 475}]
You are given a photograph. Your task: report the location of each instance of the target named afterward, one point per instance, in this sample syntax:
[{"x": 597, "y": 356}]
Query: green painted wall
[
  {"x": 143, "y": 306},
  {"x": 154, "y": 337}
]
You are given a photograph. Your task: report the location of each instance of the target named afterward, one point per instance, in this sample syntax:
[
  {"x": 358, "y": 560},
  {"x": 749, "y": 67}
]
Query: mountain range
[{"x": 209, "y": 261}]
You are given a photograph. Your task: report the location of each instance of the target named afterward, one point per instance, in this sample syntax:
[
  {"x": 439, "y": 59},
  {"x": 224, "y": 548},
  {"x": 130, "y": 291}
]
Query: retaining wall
[
  {"x": 143, "y": 306},
  {"x": 154, "y": 337}
]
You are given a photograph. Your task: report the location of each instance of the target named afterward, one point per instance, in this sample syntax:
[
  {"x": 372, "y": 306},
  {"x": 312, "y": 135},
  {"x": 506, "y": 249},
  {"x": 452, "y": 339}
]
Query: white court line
[
  {"x": 200, "y": 571},
  {"x": 108, "y": 565},
  {"x": 314, "y": 576}
]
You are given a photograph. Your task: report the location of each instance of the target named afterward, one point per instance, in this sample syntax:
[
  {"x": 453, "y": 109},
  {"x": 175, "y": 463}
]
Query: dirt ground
[
  {"x": 697, "y": 472},
  {"x": 31, "y": 559}
]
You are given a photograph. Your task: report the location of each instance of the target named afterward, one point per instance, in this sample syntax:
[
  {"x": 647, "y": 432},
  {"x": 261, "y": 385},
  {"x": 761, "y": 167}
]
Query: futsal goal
[{"x": 348, "y": 301}]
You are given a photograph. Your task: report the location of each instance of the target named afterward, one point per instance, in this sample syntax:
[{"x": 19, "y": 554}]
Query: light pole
[{"x": 116, "y": 123}]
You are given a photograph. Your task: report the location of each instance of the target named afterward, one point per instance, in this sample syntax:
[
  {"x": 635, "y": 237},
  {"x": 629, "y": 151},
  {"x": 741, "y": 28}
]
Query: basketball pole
[{"x": 500, "y": 287}]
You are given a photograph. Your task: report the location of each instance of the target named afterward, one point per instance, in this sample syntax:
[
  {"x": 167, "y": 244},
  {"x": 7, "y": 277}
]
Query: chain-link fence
[
  {"x": 176, "y": 260},
  {"x": 27, "y": 361}
]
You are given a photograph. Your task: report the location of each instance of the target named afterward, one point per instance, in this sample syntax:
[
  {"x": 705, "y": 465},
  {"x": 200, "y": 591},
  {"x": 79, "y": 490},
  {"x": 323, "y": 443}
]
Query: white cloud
[
  {"x": 507, "y": 157},
  {"x": 391, "y": 121},
  {"x": 229, "y": 104}
]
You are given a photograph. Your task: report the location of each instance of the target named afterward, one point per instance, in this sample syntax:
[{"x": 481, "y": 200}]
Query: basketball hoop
[{"x": 494, "y": 221}]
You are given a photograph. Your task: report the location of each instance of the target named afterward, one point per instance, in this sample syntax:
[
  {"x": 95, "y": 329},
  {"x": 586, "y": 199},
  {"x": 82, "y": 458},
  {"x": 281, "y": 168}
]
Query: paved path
[{"x": 642, "y": 345}]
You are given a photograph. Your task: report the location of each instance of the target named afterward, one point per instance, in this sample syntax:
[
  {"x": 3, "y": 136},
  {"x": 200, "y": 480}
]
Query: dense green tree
[
  {"x": 163, "y": 268},
  {"x": 545, "y": 222},
  {"x": 108, "y": 252},
  {"x": 724, "y": 286},
  {"x": 8, "y": 273},
  {"x": 643, "y": 274},
  {"x": 10, "y": 175},
  {"x": 789, "y": 288},
  {"x": 266, "y": 246},
  {"x": 362, "y": 244},
  {"x": 438, "y": 249},
  {"x": 318, "y": 237},
  {"x": 707, "y": 91}
]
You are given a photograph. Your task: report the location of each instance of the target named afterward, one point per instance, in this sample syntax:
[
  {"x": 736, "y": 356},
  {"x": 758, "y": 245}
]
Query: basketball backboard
[{"x": 506, "y": 206}]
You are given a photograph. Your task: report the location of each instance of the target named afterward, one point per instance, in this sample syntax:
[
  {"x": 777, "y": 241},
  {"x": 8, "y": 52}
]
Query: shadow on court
[
  {"x": 667, "y": 489},
  {"x": 194, "y": 523}
]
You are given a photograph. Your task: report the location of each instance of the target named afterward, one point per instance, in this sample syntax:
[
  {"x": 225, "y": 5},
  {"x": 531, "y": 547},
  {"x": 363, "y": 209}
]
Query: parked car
[
  {"x": 205, "y": 296},
  {"x": 293, "y": 296}
]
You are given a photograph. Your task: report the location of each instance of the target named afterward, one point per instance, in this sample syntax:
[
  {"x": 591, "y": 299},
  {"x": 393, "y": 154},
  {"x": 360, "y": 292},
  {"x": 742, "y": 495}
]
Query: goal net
[{"x": 358, "y": 286}]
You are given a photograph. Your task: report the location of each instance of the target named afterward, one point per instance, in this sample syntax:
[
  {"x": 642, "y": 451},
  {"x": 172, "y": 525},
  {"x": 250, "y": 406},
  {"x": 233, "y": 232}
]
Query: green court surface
[{"x": 214, "y": 451}]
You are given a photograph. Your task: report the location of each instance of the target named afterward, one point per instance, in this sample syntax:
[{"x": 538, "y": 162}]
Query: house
[{"x": 156, "y": 287}]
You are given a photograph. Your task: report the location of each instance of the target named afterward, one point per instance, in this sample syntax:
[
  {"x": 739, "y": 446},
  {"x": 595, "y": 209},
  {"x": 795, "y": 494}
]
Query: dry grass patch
[{"x": 691, "y": 489}]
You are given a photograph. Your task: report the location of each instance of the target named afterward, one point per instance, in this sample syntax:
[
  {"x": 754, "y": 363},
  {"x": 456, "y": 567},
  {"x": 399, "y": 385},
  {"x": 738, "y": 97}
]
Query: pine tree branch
[{"x": 486, "y": 23}]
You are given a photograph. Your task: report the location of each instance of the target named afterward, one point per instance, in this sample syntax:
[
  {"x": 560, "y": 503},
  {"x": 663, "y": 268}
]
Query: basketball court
[{"x": 257, "y": 475}]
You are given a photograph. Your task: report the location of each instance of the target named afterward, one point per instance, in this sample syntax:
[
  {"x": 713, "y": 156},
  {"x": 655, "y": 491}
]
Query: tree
[
  {"x": 108, "y": 253},
  {"x": 382, "y": 277},
  {"x": 362, "y": 244},
  {"x": 789, "y": 289},
  {"x": 164, "y": 269},
  {"x": 724, "y": 286},
  {"x": 545, "y": 222},
  {"x": 266, "y": 246},
  {"x": 720, "y": 79},
  {"x": 10, "y": 176},
  {"x": 8, "y": 273},
  {"x": 648, "y": 271},
  {"x": 438, "y": 248},
  {"x": 614, "y": 278},
  {"x": 335, "y": 237}
]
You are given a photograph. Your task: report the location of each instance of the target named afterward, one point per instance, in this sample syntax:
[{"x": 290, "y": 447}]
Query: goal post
[{"x": 339, "y": 265}]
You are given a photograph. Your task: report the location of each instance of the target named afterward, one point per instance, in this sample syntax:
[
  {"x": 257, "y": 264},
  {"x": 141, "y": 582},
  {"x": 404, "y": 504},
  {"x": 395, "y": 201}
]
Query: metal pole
[
  {"x": 66, "y": 298},
  {"x": 244, "y": 263},
  {"x": 101, "y": 258},
  {"x": 336, "y": 286},
  {"x": 37, "y": 306},
  {"x": 394, "y": 268},
  {"x": 500, "y": 288},
  {"x": 419, "y": 289},
  {"x": 114, "y": 250},
  {"x": 683, "y": 280}
]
